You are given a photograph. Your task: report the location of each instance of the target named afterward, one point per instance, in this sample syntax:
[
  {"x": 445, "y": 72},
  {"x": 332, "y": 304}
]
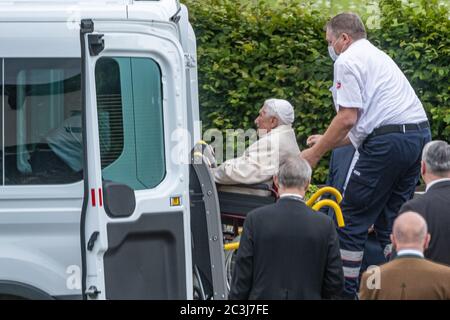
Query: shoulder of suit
[
  {"x": 438, "y": 267},
  {"x": 415, "y": 204},
  {"x": 301, "y": 206},
  {"x": 425, "y": 264},
  {"x": 425, "y": 199},
  {"x": 443, "y": 186},
  {"x": 264, "y": 209},
  {"x": 319, "y": 218},
  {"x": 319, "y": 215}
]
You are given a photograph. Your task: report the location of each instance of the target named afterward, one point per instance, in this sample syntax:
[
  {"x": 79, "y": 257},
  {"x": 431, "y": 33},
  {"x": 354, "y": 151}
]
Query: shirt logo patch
[{"x": 338, "y": 85}]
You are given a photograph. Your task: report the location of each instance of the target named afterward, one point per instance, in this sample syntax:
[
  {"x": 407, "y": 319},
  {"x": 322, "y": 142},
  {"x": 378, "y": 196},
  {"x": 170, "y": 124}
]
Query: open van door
[{"x": 135, "y": 226}]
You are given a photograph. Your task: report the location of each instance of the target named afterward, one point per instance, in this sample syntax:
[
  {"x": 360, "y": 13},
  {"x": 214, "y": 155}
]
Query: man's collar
[
  {"x": 295, "y": 196},
  {"x": 354, "y": 44},
  {"x": 436, "y": 182},
  {"x": 409, "y": 253}
]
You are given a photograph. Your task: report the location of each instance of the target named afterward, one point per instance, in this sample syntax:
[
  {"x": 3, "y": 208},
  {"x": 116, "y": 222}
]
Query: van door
[{"x": 136, "y": 219}]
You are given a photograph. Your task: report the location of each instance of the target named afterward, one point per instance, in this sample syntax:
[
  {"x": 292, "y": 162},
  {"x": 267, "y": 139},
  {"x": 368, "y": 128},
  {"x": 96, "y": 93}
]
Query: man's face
[
  {"x": 264, "y": 122},
  {"x": 339, "y": 43}
]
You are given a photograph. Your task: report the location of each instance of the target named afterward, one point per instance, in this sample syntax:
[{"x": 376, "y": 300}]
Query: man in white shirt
[
  {"x": 434, "y": 205},
  {"x": 261, "y": 160},
  {"x": 380, "y": 114}
]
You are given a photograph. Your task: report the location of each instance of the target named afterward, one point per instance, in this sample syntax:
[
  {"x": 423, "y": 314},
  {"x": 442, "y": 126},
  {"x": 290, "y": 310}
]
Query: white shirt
[
  {"x": 435, "y": 182},
  {"x": 368, "y": 79},
  {"x": 410, "y": 252}
]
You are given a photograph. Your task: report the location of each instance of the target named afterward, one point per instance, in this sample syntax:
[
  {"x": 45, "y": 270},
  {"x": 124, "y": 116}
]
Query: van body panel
[{"x": 40, "y": 223}]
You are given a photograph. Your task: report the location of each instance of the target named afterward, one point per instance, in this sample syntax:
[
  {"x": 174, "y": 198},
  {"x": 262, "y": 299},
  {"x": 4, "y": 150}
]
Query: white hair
[{"x": 281, "y": 109}]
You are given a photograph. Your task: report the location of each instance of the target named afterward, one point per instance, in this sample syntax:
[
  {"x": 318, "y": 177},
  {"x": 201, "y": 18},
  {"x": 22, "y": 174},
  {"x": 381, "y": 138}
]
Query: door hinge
[
  {"x": 176, "y": 17},
  {"x": 190, "y": 60},
  {"x": 92, "y": 240},
  {"x": 86, "y": 26},
  {"x": 92, "y": 292},
  {"x": 96, "y": 43}
]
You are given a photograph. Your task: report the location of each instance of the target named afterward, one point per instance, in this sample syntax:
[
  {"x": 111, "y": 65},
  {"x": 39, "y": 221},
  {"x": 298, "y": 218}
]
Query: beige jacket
[
  {"x": 260, "y": 160},
  {"x": 407, "y": 278}
]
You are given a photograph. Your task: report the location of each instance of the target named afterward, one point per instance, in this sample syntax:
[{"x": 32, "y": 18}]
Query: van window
[
  {"x": 42, "y": 121},
  {"x": 130, "y": 117}
]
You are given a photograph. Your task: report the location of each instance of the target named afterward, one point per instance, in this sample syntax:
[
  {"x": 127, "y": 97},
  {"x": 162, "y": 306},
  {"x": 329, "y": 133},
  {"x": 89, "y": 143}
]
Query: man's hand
[
  {"x": 310, "y": 156},
  {"x": 336, "y": 135},
  {"x": 312, "y": 140}
]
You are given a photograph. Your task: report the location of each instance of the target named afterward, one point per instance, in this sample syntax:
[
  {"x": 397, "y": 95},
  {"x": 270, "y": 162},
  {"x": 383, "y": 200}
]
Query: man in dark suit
[
  {"x": 409, "y": 276},
  {"x": 287, "y": 250},
  {"x": 434, "y": 205}
]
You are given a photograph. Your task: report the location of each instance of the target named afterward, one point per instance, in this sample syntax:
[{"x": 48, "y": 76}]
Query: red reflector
[
  {"x": 93, "y": 197},
  {"x": 100, "y": 198}
]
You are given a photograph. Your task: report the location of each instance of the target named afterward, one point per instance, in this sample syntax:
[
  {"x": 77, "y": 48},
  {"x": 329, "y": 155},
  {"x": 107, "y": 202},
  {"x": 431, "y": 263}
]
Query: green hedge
[{"x": 252, "y": 51}]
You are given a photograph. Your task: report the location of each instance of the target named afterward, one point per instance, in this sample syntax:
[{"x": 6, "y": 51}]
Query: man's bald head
[{"x": 410, "y": 231}]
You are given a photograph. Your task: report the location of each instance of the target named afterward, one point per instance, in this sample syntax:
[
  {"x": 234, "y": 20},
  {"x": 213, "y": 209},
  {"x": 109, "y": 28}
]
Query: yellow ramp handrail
[
  {"x": 336, "y": 208},
  {"x": 231, "y": 246},
  {"x": 321, "y": 192},
  {"x": 317, "y": 206}
]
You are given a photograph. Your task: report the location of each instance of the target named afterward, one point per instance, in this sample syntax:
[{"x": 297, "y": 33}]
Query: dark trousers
[
  {"x": 340, "y": 161},
  {"x": 384, "y": 177}
]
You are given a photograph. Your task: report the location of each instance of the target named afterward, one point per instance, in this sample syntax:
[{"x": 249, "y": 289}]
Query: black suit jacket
[
  {"x": 287, "y": 251},
  {"x": 434, "y": 206}
]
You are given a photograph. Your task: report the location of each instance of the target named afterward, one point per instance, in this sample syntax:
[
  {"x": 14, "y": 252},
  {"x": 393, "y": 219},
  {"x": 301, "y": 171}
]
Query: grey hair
[
  {"x": 295, "y": 172},
  {"x": 349, "y": 23},
  {"x": 436, "y": 155}
]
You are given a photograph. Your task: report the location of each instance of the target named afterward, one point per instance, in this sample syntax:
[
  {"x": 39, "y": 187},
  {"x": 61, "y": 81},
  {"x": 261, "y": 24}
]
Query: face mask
[{"x": 332, "y": 53}]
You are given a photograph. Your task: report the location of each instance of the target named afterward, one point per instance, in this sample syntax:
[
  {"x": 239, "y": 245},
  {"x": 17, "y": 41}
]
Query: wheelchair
[{"x": 217, "y": 215}]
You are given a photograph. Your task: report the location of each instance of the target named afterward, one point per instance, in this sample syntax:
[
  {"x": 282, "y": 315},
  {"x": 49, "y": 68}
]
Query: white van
[{"x": 92, "y": 205}]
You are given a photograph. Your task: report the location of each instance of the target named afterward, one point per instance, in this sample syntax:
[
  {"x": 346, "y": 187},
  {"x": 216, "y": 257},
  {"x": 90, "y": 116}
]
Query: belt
[{"x": 399, "y": 128}]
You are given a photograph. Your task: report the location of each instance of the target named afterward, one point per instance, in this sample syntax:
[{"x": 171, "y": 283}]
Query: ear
[
  {"x": 275, "y": 122},
  {"x": 346, "y": 37},
  {"x": 275, "y": 182},
  {"x": 307, "y": 185},
  {"x": 423, "y": 168},
  {"x": 427, "y": 241}
]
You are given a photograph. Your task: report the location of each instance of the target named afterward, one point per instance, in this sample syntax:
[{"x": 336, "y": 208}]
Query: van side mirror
[{"x": 119, "y": 199}]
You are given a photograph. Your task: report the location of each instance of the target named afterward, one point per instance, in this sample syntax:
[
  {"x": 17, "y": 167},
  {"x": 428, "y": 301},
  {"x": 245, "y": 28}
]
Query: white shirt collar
[
  {"x": 410, "y": 252},
  {"x": 292, "y": 195},
  {"x": 436, "y": 182},
  {"x": 354, "y": 44}
]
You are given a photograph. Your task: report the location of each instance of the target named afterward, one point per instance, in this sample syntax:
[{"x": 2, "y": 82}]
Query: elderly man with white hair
[{"x": 261, "y": 160}]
